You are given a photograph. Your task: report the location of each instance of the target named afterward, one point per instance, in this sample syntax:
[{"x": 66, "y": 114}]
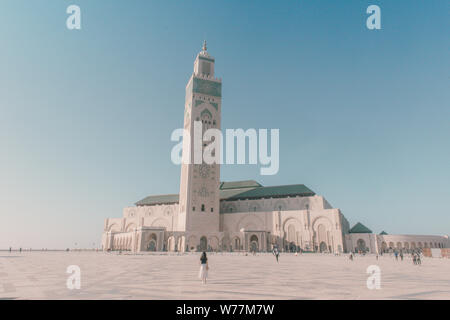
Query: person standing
[
  {"x": 203, "y": 274},
  {"x": 276, "y": 253}
]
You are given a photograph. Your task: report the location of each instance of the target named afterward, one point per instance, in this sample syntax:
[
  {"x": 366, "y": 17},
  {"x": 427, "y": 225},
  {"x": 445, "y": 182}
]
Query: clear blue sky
[{"x": 86, "y": 116}]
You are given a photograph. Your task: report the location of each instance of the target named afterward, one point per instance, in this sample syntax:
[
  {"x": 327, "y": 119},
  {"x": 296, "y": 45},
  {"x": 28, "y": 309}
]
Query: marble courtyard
[{"x": 42, "y": 275}]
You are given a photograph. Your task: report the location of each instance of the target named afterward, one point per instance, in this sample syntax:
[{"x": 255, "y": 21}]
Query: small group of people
[
  {"x": 416, "y": 258},
  {"x": 398, "y": 254}
]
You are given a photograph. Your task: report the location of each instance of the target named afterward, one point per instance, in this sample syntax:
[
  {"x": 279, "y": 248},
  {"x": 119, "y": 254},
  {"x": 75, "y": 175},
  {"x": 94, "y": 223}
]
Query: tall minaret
[{"x": 199, "y": 184}]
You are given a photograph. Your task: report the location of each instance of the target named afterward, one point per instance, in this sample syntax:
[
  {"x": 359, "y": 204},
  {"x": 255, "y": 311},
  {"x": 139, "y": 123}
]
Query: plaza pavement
[{"x": 42, "y": 275}]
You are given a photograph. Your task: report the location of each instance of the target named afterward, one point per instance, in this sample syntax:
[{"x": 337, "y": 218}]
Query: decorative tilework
[{"x": 208, "y": 87}]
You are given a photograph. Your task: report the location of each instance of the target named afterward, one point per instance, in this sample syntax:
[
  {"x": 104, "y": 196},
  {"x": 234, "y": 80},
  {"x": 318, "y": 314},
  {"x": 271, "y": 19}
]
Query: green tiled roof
[
  {"x": 383, "y": 233},
  {"x": 235, "y": 190},
  {"x": 360, "y": 228},
  {"x": 274, "y": 192},
  {"x": 161, "y": 199},
  {"x": 239, "y": 184},
  {"x": 228, "y": 193}
]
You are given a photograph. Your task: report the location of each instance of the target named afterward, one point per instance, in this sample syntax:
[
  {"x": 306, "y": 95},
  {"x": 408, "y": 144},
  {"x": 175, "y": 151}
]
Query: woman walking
[{"x": 203, "y": 267}]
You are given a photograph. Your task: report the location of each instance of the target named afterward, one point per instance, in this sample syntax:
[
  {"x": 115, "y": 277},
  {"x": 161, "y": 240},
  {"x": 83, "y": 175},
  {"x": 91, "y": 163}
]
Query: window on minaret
[
  {"x": 203, "y": 207},
  {"x": 212, "y": 209},
  {"x": 193, "y": 208}
]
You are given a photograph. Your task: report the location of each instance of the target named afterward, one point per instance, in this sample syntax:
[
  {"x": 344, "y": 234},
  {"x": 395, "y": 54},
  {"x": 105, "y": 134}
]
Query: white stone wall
[
  {"x": 306, "y": 229},
  {"x": 376, "y": 243},
  {"x": 369, "y": 243},
  {"x": 275, "y": 204},
  {"x": 410, "y": 241}
]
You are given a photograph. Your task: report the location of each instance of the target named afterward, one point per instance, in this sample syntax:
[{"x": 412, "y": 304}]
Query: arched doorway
[
  {"x": 323, "y": 247},
  {"x": 361, "y": 245},
  {"x": 237, "y": 244},
  {"x": 151, "y": 246},
  {"x": 254, "y": 247},
  {"x": 383, "y": 246},
  {"x": 203, "y": 244}
]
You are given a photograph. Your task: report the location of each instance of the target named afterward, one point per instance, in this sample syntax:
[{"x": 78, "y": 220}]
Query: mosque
[{"x": 211, "y": 215}]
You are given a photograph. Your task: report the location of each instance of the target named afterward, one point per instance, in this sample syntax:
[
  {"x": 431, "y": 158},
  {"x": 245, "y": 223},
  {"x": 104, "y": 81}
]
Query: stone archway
[
  {"x": 130, "y": 227},
  {"x": 236, "y": 243},
  {"x": 322, "y": 233},
  {"x": 203, "y": 243},
  {"x": 361, "y": 245},
  {"x": 114, "y": 228},
  {"x": 152, "y": 244},
  {"x": 254, "y": 245}
]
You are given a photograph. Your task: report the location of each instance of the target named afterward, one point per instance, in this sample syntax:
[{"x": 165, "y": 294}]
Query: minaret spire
[{"x": 204, "y": 45}]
